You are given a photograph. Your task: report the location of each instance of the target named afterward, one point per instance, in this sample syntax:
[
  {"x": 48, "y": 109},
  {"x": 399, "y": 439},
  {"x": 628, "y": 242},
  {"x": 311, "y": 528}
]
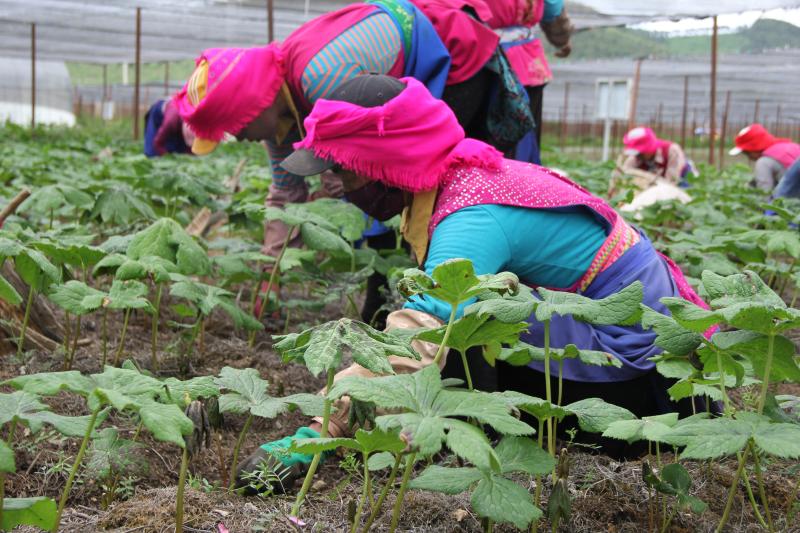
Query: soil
[{"x": 606, "y": 495}]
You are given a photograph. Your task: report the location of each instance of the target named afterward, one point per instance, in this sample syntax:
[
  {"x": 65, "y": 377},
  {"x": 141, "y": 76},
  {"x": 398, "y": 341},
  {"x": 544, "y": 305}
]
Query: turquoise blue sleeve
[
  {"x": 552, "y": 9},
  {"x": 471, "y": 233}
]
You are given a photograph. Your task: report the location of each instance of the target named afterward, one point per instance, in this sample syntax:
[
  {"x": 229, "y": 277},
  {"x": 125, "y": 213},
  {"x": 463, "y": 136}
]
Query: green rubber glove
[{"x": 280, "y": 448}]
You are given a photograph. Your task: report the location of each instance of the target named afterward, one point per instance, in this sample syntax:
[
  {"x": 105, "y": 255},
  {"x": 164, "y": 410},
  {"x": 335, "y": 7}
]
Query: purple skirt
[{"x": 630, "y": 344}]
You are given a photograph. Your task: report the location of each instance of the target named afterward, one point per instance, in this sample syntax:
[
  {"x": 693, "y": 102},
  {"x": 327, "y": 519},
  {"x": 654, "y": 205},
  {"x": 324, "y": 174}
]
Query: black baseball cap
[{"x": 369, "y": 90}]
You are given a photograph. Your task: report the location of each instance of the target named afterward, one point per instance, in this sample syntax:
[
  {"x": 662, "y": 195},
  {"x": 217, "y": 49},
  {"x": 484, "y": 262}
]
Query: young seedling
[
  {"x": 455, "y": 283},
  {"x": 246, "y": 392},
  {"x": 675, "y": 481},
  {"x": 34, "y": 269},
  {"x": 365, "y": 443},
  {"x": 321, "y": 349},
  {"x": 494, "y": 496},
  {"x": 430, "y": 417},
  {"x": 122, "y": 389}
]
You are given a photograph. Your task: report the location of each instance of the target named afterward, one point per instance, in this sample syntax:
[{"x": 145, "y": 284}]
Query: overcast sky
[{"x": 725, "y": 21}]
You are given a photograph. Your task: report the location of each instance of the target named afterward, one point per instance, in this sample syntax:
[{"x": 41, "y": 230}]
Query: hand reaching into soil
[{"x": 272, "y": 468}]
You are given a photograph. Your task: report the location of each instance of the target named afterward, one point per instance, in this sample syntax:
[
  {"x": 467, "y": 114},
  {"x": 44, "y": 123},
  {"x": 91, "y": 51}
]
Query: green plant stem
[
  {"x": 71, "y": 358},
  {"x": 537, "y": 493},
  {"x": 658, "y": 455},
  {"x": 154, "y": 329},
  {"x": 668, "y": 520},
  {"x": 794, "y": 297},
  {"x": 181, "y": 489},
  {"x": 725, "y": 399},
  {"x": 21, "y": 341},
  {"x": 732, "y": 492},
  {"x": 752, "y": 499},
  {"x": 762, "y": 399},
  {"x": 118, "y": 353},
  {"x": 761, "y": 490},
  {"x": 489, "y": 525},
  {"x": 551, "y": 441},
  {"x": 104, "y": 334},
  {"x": 466, "y": 369},
  {"x": 254, "y": 297},
  {"x": 312, "y": 469},
  {"x": 75, "y": 466},
  {"x": 365, "y": 494},
  {"x": 379, "y": 504},
  {"x": 236, "y": 449},
  {"x": 12, "y": 430},
  {"x": 790, "y": 502},
  {"x": 2, "y": 494},
  {"x": 272, "y": 277},
  {"x": 67, "y": 330},
  {"x": 398, "y": 504},
  {"x": 442, "y": 347}
]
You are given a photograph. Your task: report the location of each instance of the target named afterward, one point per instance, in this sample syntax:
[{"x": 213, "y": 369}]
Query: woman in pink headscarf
[
  {"x": 515, "y": 22},
  {"x": 399, "y": 149},
  {"x": 658, "y": 157}
]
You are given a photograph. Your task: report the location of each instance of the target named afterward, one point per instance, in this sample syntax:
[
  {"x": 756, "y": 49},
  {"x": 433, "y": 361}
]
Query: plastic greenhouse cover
[{"x": 104, "y": 32}]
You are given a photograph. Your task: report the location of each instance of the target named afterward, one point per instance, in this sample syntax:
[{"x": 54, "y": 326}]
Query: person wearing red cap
[
  {"x": 772, "y": 155},
  {"x": 657, "y": 157}
]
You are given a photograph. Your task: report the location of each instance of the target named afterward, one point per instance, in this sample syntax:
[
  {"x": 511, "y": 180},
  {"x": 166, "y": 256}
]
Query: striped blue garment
[{"x": 371, "y": 46}]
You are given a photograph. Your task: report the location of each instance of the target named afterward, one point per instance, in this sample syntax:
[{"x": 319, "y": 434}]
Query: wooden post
[
  {"x": 105, "y": 82},
  {"x": 685, "y": 109},
  {"x": 166, "y": 78},
  {"x": 564, "y": 123},
  {"x": 713, "y": 110},
  {"x": 723, "y": 129},
  {"x": 138, "y": 73},
  {"x": 659, "y": 114},
  {"x": 270, "y": 21},
  {"x": 778, "y": 120},
  {"x": 635, "y": 93},
  {"x": 33, "y": 75},
  {"x": 755, "y": 110}
]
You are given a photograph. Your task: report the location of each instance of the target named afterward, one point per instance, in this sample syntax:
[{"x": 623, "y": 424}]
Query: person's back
[{"x": 772, "y": 155}]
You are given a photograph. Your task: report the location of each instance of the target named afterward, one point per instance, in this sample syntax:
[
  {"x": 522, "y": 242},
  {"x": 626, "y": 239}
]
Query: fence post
[
  {"x": 270, "y": 21},
  {"x": 33, "y": 75},
  {"x": 635, "y": 93},
  {"x": 166, "y": 78},
  {"x": 756, "y": 109},
  {"x": 138, "y": 73},
  {"x": 685, "y": 109},
  {"x": 723, "y": 129},
  {"x": 713, "y": 110}
]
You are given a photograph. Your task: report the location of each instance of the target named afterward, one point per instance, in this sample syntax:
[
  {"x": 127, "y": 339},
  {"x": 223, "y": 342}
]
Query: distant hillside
[{"x": 602, "y": 43}]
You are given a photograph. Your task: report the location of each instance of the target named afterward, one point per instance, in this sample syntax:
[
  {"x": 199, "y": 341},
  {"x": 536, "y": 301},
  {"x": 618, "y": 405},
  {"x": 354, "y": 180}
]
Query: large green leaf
[
  {"x": 35, "y": 269},
  {"x": 431, "y": 414},
  {"x": 110, "y": 454},
  {"x": 509, "y": 308},
  {"x": 318, "y": 238},
  {"x": 502, "y": 500},
  {"x": 246, "y": 392},
  {"x": 21, "y": 406},
  {"x": 595, "y": 415},
  {"x": 322, "y": 347},
  {"x": 76, "y": 297},
  {"x": 366, "y": 442},
  {"x": 521, "y": 354},
  {"x": 755, "y": 346},
  {"x": 709, "y": 439},
  {"x": 39, "y": 512},
  {"x": 454, "y": 282},
  {"x": 537, "y": 407},
  {"x": 7, "y": 463},
  {"x": 619, "y": 308},
  {"x": 166, "y": 238},
  {"x": 8, "y": 293},
  {"x": 474, "y": 330},
  {"x": 650, "y": 428}
]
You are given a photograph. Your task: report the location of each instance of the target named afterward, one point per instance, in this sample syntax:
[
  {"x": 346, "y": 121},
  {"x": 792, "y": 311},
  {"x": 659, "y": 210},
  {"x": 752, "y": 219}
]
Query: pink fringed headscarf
[
  {"x": 409, "y": 142},
  {"x": 229, "y": 88}
]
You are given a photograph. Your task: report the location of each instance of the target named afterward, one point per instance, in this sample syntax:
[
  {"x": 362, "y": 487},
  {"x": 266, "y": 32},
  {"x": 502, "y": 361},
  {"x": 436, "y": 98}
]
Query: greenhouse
[{"x": 399, "y": 266}]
